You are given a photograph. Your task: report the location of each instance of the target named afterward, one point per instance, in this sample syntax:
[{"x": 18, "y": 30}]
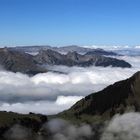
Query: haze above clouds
[{"x": 50, "y": 93}]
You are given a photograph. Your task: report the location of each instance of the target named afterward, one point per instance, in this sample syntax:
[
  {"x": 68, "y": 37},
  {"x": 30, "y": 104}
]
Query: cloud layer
[
  {"x": 52, "y": 92},
  {"x": 43, "y": 107}
]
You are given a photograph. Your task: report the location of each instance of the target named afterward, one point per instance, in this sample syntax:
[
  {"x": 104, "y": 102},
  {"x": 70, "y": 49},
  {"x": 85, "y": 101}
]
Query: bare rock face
[
  {"x": 74, "y": 59},
  {"x": 121, "y": 97},
  {"x": 18, "y": 62}
]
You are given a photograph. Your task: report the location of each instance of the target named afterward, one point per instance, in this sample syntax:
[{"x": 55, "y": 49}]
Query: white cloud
[
  {"x": 62, "y": 89},
  {"x": 62, "y": 100},
  {"x": 109, "y": 47},
  {"x": 43, "y": 107},
  {"x": 137, "y": 47},
  {"x": 123, "y": 127},
  {"x": 63, "y": 130}
]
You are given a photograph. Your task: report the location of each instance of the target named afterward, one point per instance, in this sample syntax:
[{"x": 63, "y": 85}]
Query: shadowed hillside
[
  {"x": 123, "y": 96},
  {"x": 19, "y": 62}
]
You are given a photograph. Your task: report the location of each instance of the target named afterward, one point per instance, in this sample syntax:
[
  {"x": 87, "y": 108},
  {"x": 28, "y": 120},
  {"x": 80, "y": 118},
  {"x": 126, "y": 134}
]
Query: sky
[{"x": 67, "y": 22}]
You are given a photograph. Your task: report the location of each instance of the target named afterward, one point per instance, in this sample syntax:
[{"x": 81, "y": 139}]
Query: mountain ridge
[
  {"x": 75, "y": 59},
  {"x": 64, "y": 49},
  {"x": 120, "y": 97},
  {"x": 18, "y": 61}
]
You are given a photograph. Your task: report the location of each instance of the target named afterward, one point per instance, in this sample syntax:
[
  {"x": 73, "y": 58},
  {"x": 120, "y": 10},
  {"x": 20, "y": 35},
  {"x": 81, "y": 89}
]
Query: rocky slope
[
  {"x": 121, "y": 97},
  {"x": 19, "y": 62},
  {"x": 74, "y": 59}
]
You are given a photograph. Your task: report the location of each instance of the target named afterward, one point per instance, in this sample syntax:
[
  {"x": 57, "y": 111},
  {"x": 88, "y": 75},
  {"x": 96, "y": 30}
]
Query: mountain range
[
  {"x": 109, "y": 50},
  {"x": 75, "y": 59},
  {"x": 96, "y": 108},
  {"x": 19, "y": 61},
  {"x": 64, "y": 49}
]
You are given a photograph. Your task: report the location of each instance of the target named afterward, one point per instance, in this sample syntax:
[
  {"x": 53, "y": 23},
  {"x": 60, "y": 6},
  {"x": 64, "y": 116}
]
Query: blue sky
[{"x": 66, "y": 22}]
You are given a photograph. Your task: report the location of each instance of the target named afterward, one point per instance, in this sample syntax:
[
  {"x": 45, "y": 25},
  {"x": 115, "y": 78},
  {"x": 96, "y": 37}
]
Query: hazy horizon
[{"x": 84, "y": 46}]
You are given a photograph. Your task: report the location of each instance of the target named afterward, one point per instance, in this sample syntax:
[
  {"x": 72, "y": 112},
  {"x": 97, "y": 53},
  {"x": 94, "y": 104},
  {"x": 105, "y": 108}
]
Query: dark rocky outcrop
[{"x": 74, "y": 59}]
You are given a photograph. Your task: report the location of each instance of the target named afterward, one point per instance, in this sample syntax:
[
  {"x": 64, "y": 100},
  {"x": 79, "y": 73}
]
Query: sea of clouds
[{"x": 53, "y": 92}]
